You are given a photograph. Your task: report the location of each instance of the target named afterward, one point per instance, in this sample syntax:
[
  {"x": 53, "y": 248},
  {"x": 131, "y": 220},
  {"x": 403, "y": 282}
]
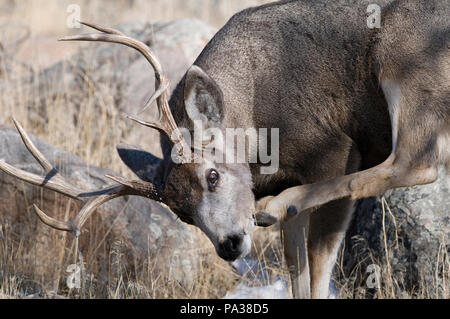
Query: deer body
[
  {"x": 332, "y": 86},
  {"x": 359, "y": 111},
  {"x": 277, "y": 66}
]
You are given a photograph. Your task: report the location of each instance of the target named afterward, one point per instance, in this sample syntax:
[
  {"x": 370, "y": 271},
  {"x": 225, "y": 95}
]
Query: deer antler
[
  {"x": 91, "y": 199},
  {"x": 166, "y": 123}
]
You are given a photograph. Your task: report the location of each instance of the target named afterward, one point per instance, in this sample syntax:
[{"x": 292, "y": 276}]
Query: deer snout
[{"x": 232, "y": 247}]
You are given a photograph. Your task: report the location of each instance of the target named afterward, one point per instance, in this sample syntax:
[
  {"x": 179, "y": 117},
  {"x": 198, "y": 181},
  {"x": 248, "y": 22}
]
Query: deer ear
[
  {"x": 203, "y": 98},
  {"x": 145, "y": 165}
]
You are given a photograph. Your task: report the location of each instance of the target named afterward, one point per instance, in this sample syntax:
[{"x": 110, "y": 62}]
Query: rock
[
  {"x": 417, "y": 228},
  {"x": 146, "y": 230},
  {"x": 41, "y": 52}
]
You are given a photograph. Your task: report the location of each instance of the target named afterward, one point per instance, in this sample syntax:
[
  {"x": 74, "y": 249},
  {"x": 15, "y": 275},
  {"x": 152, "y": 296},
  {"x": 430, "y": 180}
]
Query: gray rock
[{"x": 417, "y": 228}]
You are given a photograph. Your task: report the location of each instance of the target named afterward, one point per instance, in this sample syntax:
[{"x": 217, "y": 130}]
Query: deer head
[{"x": 215, "y": 197}]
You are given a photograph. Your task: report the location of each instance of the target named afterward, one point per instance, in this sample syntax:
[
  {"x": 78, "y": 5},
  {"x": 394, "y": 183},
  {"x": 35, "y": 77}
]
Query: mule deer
[{"x": 359, "y": 111}]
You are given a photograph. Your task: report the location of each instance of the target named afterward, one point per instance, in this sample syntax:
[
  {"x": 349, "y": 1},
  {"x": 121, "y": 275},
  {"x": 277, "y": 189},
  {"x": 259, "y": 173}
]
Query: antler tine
[
  {"x": 53, "y": 180},
  {"x": 54, "y": 223},
  {"x": 102, "y": 29},
  {"x": 33, "y": 150},
  {"x": 155, "y": 96},
  {"x": 156, "y": 125},
  {"x": 91, "y": 199}
]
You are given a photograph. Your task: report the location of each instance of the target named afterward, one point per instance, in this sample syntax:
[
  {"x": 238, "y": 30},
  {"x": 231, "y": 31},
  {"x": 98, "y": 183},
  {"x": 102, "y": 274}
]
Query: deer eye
[{"x": 212, "y": 177}]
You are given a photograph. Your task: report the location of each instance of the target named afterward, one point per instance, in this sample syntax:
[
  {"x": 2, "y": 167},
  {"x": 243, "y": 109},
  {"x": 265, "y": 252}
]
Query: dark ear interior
[
  {"x": 203, "y": 98},
  {"x": 145, "y": 165}
]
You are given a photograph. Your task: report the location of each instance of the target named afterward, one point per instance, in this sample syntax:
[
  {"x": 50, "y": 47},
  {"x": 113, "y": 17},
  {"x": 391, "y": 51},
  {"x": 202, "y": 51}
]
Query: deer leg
[
  {"x": 413, "y": 160},
  {"x": 326, "y": 231},
  {"x": 371, "y": 182},
  {"x": 295, "y": 233}
]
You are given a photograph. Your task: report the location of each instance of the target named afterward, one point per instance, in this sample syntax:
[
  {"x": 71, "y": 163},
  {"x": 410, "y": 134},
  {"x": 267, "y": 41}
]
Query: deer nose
[{"x": 231, "y": 248}]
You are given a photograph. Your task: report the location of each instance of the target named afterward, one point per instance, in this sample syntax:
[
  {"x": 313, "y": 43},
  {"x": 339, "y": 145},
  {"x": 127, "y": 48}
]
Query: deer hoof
[{"x": 264, "y": 219}]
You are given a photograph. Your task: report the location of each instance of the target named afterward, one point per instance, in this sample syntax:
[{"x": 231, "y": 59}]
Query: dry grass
[
  {"x": 28, "y": 267},
  {"x": 354, "y": 284},
  {"x": 93, "y": 136},
  {"x": 357, "y": 284}
]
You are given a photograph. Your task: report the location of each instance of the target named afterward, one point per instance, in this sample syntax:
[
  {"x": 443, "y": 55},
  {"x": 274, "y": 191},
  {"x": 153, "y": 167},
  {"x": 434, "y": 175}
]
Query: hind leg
[
  {"x": 295, "y": 235},
  {"x": 326, "y": 230}
]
